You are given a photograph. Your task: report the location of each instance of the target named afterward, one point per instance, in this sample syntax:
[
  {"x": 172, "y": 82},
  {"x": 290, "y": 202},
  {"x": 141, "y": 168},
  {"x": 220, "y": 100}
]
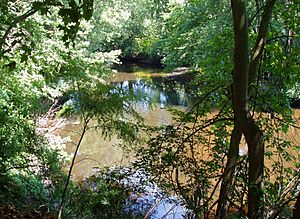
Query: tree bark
[
  {"x": 254, "y": 137},
  {"x": 228, "y": 176},
  {"x": 296, "y": 211},
  {"x": 244, "y": 121},
  {"x": 260, "y": 41},
  {"x": 255, "y": 143}
]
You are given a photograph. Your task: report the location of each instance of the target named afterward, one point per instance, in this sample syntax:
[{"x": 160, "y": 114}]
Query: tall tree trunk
[
  {"x": 296, "y": 212},
  {"x": 243, "y": 76},
  {"x": 244, "y": 121},
  {"x": 255, "y": 143},
  {"x": 228, "y": 176},
  {"x": 254, "y": 135}
]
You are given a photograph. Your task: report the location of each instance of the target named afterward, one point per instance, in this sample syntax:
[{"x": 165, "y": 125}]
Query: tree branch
[
  {"x": 71, "y": 168},
  {"x": 279, "y": 37},
  {"x": 18, "y": 20},
  {"x": 260, "y": 42},
  {"x": 228, "y": 176}
]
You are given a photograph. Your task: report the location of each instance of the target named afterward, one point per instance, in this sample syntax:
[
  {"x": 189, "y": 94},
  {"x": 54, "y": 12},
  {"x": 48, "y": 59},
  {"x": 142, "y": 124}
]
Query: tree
[
  {"x": 45, "y": 56},
  {"x": 243, "y": 97},
  {"x": 129, "y": 26},
  {"x": 296, "y": 211},
  {"x": 13, "y": 20},
  {"x": 25, "y": 71},
  {"x": 244, "y": 74}
]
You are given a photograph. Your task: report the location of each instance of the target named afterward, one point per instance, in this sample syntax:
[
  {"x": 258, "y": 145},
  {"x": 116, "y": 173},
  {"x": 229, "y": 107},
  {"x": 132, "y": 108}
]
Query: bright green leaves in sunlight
[
  {"x": 72, "y": 14},
  {"x": 193, "y": 35},
  {"x": 16, "y": 16},
  {"x": 25, "y": 158},
  {"x": 37, "y": 66},
  {"x": 126, "y": 25}
]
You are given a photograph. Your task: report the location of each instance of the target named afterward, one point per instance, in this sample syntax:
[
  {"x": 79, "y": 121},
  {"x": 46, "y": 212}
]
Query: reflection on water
[
  {"x": 95, "y": 150},
  {"x": 155, "y": 89}
]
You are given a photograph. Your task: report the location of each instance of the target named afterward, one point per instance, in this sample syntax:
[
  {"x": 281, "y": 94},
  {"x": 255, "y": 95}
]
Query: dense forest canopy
[{"x": 56, "y": 59}]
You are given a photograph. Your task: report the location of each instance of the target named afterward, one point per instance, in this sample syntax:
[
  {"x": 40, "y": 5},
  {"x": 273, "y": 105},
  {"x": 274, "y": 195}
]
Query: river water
[{"x": 97, "y": 152}]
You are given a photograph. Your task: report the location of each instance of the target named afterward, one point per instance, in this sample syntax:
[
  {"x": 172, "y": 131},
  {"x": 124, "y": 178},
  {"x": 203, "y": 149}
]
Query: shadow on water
[{"x": 131, "y": 65}]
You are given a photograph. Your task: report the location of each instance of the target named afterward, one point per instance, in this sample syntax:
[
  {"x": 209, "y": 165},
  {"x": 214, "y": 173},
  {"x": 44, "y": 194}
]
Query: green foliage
[
  {"x": 278, "y": 76},
  {"x": 188, "y": 157},
  {"x": 48, "y": 49},
  {"x": 282, "y": 161},
  {"x": 14, "y": 20},
  {"x": 129, "y": 26},
  {"x": 35, "y": 181},
  {"x": 17, "y": 126},
  {"x": 66, "y": 111},
  {"x": 191, "y": 33},
  {"x": 28, "y": 164},
  {"x": 37, "y": 63}
]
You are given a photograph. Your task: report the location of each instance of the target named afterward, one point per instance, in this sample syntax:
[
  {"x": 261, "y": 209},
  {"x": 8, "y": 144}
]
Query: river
[{"x": 97, "y": 152}]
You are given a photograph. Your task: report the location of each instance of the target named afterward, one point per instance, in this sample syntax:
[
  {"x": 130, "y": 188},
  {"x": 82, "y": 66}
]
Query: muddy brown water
[{"x": 95, "y": 151}]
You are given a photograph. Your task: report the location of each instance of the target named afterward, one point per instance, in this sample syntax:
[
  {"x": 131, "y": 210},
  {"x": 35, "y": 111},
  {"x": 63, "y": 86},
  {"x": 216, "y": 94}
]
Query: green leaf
[
  {"x": 87, "y": 9},
  {"x": 11, "y": 66},
  {"x": 37, "y": 5}
]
